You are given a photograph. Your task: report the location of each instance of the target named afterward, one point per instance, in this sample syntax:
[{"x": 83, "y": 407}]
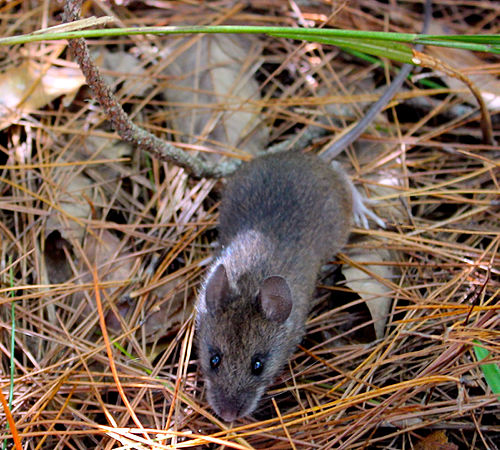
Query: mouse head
[{"x": 242, "y": 339}]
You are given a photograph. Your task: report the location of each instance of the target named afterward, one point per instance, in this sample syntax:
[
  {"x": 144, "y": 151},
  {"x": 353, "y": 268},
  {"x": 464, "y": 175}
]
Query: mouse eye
[
  {"x": 215, "y": 360},
  {"x": 257, "y": 365}
]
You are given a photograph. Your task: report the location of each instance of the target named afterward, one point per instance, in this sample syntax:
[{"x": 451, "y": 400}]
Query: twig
[
  {"x": 120, "y": 121},
  {"x": 424, "y": 60}
]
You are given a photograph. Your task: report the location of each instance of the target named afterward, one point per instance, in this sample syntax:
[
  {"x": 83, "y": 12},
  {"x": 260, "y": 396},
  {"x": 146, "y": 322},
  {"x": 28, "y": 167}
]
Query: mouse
[{"x": 281, "y": 216}]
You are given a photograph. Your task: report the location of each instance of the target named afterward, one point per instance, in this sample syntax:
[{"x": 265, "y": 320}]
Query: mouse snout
[
  {"x": 229, "y": 413},
  {"x": 229, "y": 407}
]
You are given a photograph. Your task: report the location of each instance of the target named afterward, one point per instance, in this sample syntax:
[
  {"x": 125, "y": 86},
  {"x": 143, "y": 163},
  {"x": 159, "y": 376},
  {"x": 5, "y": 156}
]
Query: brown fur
[{"x": 281, "y": 216}]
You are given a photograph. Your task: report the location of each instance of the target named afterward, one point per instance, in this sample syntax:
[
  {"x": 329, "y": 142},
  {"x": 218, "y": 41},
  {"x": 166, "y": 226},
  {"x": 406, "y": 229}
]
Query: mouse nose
[
  {"x": 229, "y": 407},
  {"x": 228, "y": 414}
]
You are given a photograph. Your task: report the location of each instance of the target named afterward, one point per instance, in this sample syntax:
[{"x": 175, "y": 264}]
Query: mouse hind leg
[{"x": 361, "y": 212}]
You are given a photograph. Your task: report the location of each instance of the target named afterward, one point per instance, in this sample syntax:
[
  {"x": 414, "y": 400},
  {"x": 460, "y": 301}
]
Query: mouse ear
[
  {"x": 275, "y": 299},
  {"x": 217, "y": 290}
]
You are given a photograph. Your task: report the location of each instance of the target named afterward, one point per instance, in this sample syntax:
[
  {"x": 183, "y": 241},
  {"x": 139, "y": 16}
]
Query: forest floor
[{"x": 103, "y": 248}]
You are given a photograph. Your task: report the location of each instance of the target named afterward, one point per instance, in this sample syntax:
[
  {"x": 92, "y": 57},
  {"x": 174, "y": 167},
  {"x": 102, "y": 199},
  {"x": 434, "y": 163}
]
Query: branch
[
  {"x": 436, "y": 64},
  {"x": 128, "y": 131}
]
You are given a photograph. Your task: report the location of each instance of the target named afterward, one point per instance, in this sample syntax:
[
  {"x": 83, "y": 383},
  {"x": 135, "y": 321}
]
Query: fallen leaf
[
  {"x": 463, "y": 60},
  {"x": 215, "y": 93},
  {"x": 71, "y": 194},
  {"x": 16, "y": 82},
  {"x": 172, "y": 308},
  {"x": 104, "y": 251},
  {"x": 122, "y": 63},
  {"x": 374, "y": 292},
  {"x": 435, "y": 441}
]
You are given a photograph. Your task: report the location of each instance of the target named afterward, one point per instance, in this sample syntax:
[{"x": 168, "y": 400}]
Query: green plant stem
[
  {"x": 374, "y": 60},
  {"x": 485, "y": 42}
]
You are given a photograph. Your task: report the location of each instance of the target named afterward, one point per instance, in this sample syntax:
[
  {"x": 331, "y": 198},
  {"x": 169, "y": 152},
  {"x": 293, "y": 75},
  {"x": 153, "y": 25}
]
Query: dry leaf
[
  {"x": 214, "y": 73},
  {"x": 104, "y": 252},
  {"x": 375, "y": 292},
  {"x": 124, "y": 63},
  {"x": 436, "y": 441},
  {"x": 489, "y": 85},
  {"x": 72, "y": 195},
  {"x": 368, "y": 288},
  {"x": 16, "y": 82},
  {"x": 171, "y": 309},
  {"x": 96, "y": 147},
  {"x": 75, "y": 196},
  {"x": 75, "y": 193}
]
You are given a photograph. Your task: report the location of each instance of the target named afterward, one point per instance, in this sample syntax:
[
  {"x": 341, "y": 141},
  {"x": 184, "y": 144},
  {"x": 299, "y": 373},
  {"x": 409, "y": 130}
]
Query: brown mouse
[{"x": 282, "y": 216}]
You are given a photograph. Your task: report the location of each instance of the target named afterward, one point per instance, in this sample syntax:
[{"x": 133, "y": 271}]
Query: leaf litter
[{"x": 75, "y": 197}]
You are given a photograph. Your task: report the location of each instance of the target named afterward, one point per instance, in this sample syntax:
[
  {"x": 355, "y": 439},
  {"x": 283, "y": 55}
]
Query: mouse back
[{"x": 294, "y": 199}]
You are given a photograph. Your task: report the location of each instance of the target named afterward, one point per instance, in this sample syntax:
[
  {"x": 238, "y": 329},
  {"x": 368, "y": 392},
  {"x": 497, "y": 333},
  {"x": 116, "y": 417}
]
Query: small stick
[{"x": 121, "y": 122}]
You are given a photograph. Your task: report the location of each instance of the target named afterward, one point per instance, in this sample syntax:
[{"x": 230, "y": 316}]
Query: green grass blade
[
  {"x": 480, "y": 42},
  {"x": 392, "y": 50},
  {"x": 491, "y": 39},
  {"x": 372, "y": 60},
  {"x": 490, "y": 371},
  {"x": 461, "y": 45}
]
